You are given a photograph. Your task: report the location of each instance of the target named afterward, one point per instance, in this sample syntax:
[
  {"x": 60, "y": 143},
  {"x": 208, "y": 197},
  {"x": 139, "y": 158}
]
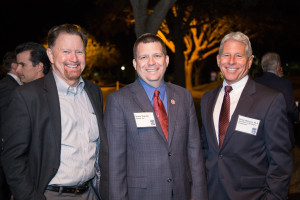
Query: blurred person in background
[
  {"x": 272, "y": 78},
  {"x": 7, "y": 86}
]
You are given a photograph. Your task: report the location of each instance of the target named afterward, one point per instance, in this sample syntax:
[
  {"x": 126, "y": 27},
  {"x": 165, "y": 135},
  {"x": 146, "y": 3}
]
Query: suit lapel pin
[{"x": 172, "y": 101}]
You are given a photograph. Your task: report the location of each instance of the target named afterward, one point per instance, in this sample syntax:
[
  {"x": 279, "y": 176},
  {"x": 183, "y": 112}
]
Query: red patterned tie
[
  {"x": 161, "y": 113},
  {"x": 224, "y": 115}
]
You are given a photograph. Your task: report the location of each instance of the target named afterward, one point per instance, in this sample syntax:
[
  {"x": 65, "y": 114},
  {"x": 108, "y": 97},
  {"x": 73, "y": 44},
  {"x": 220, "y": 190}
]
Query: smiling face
[
  {"x": 151, "y": 63},
  {"x": 68, "y": 57},
  {"x": 233, "y": 61}
]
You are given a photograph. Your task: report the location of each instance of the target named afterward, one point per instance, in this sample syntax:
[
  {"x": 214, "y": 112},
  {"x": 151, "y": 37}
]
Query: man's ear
[
  {"x": 50, "y": 55},
  {"x": 14, "y": 66},
  {"x": 218, "y": 60},
  {"x": 40, "y": 67},
  {"x": 134, "y": 63}
]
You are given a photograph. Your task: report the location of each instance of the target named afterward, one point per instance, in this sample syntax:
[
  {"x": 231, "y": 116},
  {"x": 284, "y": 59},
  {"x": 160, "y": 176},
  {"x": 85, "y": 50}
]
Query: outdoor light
[{"x": 123, "y": 68}]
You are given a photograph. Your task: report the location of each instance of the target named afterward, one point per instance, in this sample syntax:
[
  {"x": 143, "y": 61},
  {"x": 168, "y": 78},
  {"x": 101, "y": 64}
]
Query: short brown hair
[
  {"x": 147, "y": 38},
  {"x": 66, "y": 28}
]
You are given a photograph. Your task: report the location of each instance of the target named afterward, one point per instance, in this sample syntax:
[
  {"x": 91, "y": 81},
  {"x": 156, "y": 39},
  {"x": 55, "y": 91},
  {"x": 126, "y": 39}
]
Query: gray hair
[
  {"x": 240, "y": 37},
  {"x": 269, "y": 61}
]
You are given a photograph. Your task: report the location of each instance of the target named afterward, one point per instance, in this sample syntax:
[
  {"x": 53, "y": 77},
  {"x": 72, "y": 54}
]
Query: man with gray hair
[
  {"x": 244, "y": 123},
  {"x": 271, "y": 66}
]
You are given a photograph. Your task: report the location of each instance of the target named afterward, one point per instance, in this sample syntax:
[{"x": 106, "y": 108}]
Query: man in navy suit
[
  {"x": 252, "y": 160},
  {"x": 7, "y": 85},
  {"x": 271, "y": 66},
  {"x": 148, "y": 159}
]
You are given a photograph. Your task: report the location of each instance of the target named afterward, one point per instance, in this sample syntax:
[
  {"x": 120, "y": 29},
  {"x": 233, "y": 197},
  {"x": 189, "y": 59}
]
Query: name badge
[
  {"x": 144, "y": 119},
  {"x": 247, "y": 125}
]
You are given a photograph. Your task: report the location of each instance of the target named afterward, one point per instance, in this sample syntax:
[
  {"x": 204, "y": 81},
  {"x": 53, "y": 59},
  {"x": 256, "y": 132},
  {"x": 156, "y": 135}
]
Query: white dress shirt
[
  {"x": 79, "y": 135},
  {"x": 235, "y": 94}
]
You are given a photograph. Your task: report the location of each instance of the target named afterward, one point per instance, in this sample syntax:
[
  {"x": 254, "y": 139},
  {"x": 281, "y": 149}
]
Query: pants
[
  {"x": 4, "y": 189},
  {"x": 88, "y": 195}
]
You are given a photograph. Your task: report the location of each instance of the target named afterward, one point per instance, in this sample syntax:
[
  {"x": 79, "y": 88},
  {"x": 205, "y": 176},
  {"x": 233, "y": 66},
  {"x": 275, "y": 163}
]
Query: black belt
[{"x": 69, "y": 189}]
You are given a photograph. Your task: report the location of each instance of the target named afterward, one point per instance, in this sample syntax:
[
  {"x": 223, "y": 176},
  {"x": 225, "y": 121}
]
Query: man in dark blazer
[
  {"x": 252, "y": 160},
  {"x": 54, "y": 139},
  {"x": 271, "y": 66},
  {"x": 151, "y": 159},
  {"x": 7, "y": 85}
]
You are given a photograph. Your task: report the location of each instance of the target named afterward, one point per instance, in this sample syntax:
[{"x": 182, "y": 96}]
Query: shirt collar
[
  {"x": 150, "y": 90},
  {"x": 65, "y": 89},
  {"x": 272, "y": 72},
  {"x": 238, "y": 85},
  {"x": 16, "y": 78}
]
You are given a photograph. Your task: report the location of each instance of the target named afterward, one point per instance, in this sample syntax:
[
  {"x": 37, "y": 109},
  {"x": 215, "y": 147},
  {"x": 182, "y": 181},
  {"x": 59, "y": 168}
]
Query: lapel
[
  {"x": 52, "y": 100},
  {"x": 140, "y": 97},
  {"x": 97, "y": 106},
  {"x": 210, "y": 117},
  {"x": 244, "y": 105},
  {"x": 172, "y": 96}
]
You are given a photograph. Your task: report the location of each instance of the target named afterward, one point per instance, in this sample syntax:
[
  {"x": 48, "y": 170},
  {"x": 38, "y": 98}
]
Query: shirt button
[
  {"x": 169, "y": 180},
  {"x": 169, "y": 154},
  {"x": 221, "y": 156}
]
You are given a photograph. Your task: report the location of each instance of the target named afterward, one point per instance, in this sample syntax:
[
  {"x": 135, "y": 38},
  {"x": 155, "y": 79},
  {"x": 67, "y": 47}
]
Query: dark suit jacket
[
  {"x": 7, "y": 85},
  {"x": 32, "y": 138},
  {"x": 285, "y": 87},
  {"x": 248, "y": 167},
  {"x": 143, "y": 165}
]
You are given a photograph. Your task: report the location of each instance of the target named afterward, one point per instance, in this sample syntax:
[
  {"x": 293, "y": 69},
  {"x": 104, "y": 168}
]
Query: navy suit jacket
[
  {"x": 248, "y": 167},
  {"x": 143, "y": 165},
  {"x": 32, "y": 138},
  {"x": 285, "y": 87}
]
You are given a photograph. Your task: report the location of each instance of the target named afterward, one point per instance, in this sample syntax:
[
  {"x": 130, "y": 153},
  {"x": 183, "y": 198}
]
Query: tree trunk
[
  {"x": 197, "y": 78},
  {"x": 179, "y": 71},
  {"x": 188, "y": 75}
]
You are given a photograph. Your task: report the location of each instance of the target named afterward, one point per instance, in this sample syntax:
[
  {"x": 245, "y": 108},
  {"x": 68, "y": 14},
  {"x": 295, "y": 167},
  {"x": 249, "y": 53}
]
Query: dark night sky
[{"x": 30, "y": 20}]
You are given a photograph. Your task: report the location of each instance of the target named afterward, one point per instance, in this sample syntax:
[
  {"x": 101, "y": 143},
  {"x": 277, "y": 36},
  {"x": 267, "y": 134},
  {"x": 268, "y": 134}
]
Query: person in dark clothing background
[{"x": 271, "y": 65}]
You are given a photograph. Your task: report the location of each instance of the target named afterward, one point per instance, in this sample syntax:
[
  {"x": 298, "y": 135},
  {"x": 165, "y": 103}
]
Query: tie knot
[
  {"x": 156, "y": 93},
  {"x": 228, "y": 89}
]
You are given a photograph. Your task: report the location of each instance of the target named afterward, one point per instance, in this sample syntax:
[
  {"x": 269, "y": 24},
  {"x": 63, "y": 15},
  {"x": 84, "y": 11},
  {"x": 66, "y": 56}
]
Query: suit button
[
  {"x": 169, "y": 180},
  {"x": 169, "y": 154},
  {"x": 54, "y": 170}
]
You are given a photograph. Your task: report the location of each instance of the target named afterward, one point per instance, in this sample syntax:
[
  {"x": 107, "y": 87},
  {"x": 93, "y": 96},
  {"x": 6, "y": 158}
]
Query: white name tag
[
  {"x": 144, "y": 119},
  {"x": 247, "y": 125}
]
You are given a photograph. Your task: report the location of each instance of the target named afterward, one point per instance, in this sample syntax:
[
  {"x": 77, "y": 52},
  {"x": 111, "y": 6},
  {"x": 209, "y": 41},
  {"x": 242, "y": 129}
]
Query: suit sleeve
[
  {"x": 292, "y": 109},
  {"x": 16, "y": 144},
  {"x": 196, "y": 157},
  {"x": 115, "y": 124},
  {"x": 278, "y": 149}
]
